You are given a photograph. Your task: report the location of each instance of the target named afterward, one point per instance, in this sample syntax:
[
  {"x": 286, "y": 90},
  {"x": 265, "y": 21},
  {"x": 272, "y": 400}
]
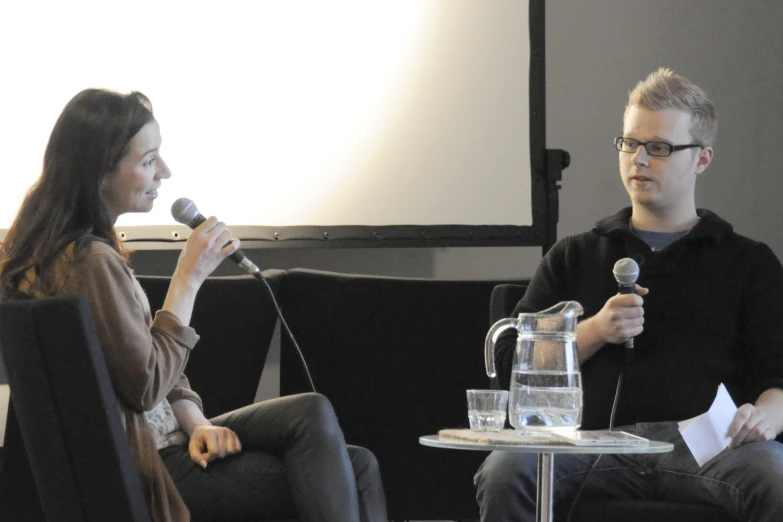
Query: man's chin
[{"x": 644, "y": 199}]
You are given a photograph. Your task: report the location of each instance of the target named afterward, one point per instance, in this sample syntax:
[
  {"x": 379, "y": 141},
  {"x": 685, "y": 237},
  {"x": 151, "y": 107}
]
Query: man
[{"x": 705, "y": 312}]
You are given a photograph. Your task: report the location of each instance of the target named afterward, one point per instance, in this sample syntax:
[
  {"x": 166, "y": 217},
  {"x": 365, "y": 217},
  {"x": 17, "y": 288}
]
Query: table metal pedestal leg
[{"x": 544, "y": 485}]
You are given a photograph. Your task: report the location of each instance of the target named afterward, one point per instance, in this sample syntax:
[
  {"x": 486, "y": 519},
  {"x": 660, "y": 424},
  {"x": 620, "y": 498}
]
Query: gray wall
[{"x": 596, "y": 51}]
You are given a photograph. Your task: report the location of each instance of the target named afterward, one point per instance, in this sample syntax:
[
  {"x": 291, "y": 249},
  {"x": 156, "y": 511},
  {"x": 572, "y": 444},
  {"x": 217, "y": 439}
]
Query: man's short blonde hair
[{"x": 665, "y": 89}]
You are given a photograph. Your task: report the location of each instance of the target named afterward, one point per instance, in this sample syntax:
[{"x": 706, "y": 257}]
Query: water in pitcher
[{"x": 545, "y": 400}]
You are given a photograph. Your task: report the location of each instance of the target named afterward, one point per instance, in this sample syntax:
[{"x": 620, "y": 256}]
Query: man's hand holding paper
[{"x": 753, "y": 423}]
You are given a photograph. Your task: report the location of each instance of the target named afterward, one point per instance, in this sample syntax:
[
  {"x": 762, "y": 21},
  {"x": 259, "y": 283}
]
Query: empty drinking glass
[{"x": 487, "y": 409}]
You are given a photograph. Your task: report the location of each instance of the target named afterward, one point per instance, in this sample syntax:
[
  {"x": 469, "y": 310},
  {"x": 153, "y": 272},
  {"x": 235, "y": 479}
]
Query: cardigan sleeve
[
  {"x": 182, "y": 391},
  {"x": 145, "y": 362}
]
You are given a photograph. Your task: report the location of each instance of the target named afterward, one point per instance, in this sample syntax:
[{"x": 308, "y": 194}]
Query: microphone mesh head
[
  {"x": 184, "y": 210},
  {"x": 626, "y": 271}
]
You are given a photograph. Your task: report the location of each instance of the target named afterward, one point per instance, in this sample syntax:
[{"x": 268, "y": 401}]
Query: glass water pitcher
[{"x": 546, "y": 385}]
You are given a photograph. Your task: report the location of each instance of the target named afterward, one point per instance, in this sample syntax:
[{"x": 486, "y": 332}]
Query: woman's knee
[
  {"x": 363, "y": 461},
  {"x": 315, "y": 405},
  {"x": 317, "y": 413}
]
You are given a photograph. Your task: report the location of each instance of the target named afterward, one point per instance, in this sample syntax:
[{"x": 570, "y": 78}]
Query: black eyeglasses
[{"x": 654, "y": 148}]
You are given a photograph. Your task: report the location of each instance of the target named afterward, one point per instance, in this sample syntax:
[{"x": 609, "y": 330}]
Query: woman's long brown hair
[{"x": 65, "y": 204}]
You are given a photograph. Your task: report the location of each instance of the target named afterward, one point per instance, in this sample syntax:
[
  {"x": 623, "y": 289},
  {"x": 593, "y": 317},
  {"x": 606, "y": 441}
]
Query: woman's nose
[{"x": 163, "y": 170}]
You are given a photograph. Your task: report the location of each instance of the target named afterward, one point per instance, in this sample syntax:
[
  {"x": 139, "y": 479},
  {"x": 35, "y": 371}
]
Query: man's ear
[{"x": 704, "y": 159}]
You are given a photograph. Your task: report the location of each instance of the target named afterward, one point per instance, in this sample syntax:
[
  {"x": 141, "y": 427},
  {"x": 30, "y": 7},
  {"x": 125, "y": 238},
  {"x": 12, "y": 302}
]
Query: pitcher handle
[{"x": 489, "y": 343}]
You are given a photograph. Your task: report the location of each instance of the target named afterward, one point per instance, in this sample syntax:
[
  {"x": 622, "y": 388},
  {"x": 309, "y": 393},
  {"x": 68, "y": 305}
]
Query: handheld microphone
[
  {"x": 626, "y": 272},
  {"x": 186, "y": 212}
]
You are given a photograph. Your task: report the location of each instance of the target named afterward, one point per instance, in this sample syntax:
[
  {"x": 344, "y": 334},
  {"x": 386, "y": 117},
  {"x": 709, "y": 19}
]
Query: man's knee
[
  {"x": 766, "y": 465},
  {"x": 755, "y": 472},
  {"x": 502, "y": 471},
  {"x": 505, "y": 486}
]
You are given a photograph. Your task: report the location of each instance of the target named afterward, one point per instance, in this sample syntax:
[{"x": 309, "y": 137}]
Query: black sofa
[{"x": 394, "y": 356}]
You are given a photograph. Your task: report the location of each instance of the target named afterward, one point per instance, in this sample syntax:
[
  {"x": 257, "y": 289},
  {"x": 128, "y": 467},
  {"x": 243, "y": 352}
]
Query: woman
[{"x": 279, "y": 458}]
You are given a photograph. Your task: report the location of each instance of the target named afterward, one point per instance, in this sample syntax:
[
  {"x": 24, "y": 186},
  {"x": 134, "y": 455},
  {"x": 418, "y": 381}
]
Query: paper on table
[{"x": 705, "y": 435}]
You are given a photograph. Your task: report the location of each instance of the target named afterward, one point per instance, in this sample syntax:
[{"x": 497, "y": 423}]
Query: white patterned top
[{"x": 164, "y": 426}]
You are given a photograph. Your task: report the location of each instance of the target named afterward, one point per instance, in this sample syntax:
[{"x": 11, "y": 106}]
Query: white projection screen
[{"x": 302, "y": 122}]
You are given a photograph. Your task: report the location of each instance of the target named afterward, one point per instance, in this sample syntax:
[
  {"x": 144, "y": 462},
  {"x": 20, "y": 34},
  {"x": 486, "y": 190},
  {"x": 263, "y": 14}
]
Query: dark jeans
[
  {"x": 747, "y": 481},
  {"x": 294, "y": 463}
]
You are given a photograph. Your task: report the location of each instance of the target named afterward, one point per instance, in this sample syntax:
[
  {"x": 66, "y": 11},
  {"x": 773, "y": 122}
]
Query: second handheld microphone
[{"x": 626, "y": 272}]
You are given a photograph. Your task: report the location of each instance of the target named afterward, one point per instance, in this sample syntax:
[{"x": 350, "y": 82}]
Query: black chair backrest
[
  {"x": 503, "y": 300},
  {"x": 236, "y": 319},
  {"x": 501, "y": 303},
  {"x": 67, "y": 413},
  {"x": 18, "y": 493},
  {"x": 394, "y": 356}
]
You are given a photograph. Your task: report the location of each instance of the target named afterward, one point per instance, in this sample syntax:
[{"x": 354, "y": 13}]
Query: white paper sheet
[{"x": 705, "y": 435}]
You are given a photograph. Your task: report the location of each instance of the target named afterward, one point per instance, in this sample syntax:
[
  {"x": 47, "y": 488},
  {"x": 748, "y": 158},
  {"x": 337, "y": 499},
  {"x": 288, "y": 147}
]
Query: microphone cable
[
  {"x": 185, "y": 211},
  {"x": 258, "y": 275},
  {"x": 626, "y": 273},
  {"x": 611, "y": 425}
]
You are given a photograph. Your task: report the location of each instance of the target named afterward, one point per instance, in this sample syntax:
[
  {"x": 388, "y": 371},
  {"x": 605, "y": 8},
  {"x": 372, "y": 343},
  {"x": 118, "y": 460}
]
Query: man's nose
[{"x": 640, "y": 157}]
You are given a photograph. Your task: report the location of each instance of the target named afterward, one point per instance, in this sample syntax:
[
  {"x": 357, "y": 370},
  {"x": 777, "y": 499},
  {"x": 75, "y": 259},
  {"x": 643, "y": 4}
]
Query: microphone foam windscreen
[
  {"x": 184, "y": 210},
  {"x": 626, "y": 271}
]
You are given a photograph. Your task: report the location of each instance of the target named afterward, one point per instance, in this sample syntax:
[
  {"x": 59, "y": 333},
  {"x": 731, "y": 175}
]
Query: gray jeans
[
  {"x": 747, "y": 481},
  {"x": 294, "y": 463}
]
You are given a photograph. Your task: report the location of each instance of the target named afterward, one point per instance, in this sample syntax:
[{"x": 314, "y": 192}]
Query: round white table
[{"x": 545, "y": 451}]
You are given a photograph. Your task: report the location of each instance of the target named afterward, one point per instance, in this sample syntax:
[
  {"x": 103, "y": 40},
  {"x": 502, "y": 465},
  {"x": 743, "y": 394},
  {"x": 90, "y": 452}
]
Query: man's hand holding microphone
[{"x": 621, "y": 318}]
